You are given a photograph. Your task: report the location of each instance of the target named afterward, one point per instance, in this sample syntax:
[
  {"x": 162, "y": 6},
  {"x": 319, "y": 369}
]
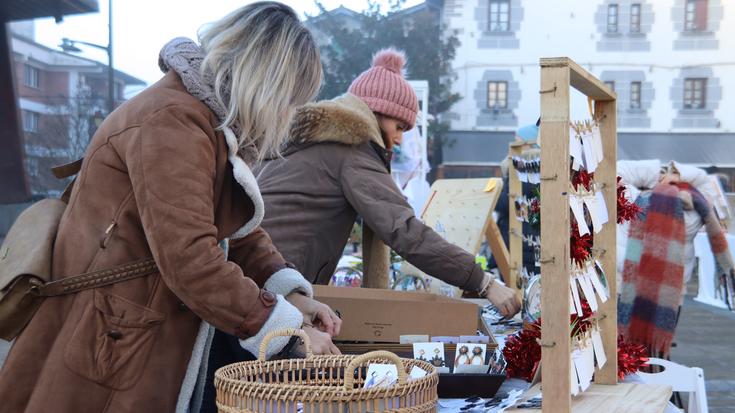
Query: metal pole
[{"x": 110, "y": 70}]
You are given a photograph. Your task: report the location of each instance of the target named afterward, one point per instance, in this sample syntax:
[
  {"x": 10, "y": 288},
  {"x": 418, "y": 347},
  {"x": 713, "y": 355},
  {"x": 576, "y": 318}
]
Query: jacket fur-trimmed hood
[{"x": 345, "y": 119}]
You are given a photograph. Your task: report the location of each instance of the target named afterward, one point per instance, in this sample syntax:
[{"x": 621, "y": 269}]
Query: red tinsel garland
[
  {"x": 631, "y": 357},
  {"x": 522, "y": 351},
  {"x": 627, "y": 211},
  {"x": 582, "y": 177},
  {"x": 580, "y": 246}
]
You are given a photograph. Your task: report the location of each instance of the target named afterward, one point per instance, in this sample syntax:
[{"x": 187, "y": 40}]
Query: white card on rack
[
  {"x": 575, "y": 296},
  {"x": 602, "y": 207},
  {"x": 588, "y": 364},
  {"x": 589, "y": 293},
  {"x": 597, "y": 140},
  {"x": 590, "y": 156},
  {"x": 599, "y": 349},
  {"x": 575, "y": 146},
  {"x": 596, "y": 283},
  {"x": 578, "y": 358},
  {"x": 573, "y": 379},
  {"x": 576, "y": 204},
  {"x": 591, "y": 202},
  {"x": 572, "y": 308}
]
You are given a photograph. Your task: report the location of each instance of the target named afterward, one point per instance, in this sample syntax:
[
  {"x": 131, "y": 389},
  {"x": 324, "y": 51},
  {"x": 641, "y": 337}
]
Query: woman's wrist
[{"x": 487, "y": 284}]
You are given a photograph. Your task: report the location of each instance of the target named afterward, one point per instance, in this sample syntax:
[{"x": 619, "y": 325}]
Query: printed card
[
  {"x": 596, "y": 283},
  {"x": 417, "y": 372},
  {"x": 432, "y": 353},
  {"x": 598, "y": 348},
  {"x": 381, "y": 375},
  {"x": 469, "y": 354}
]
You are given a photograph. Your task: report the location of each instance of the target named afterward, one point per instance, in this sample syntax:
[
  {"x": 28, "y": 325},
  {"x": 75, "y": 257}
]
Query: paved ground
[{"x": 705, "y": 338}]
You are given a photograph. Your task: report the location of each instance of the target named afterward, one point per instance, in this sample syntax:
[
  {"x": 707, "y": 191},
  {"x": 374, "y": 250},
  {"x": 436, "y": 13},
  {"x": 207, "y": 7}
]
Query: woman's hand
[
  {"x": 316, "y": 313},
  {"x": 321, "y": 343},
  {"x": 504, "y": 298}
]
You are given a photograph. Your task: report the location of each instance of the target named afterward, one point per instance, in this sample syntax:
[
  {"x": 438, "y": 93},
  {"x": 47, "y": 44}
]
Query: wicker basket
[{"x": 323, "y": 384}]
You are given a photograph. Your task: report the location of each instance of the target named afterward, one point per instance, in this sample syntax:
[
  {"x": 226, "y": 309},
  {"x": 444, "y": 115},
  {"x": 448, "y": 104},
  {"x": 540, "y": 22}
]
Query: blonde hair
[{"x": 264, "y": 63}]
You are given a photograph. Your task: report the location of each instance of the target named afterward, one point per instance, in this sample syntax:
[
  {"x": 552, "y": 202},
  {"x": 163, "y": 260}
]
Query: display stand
[
  {"x": 515, "y": 227},
  {"x": 461, "y": 210},
  {"x": 557, "y": 75}
]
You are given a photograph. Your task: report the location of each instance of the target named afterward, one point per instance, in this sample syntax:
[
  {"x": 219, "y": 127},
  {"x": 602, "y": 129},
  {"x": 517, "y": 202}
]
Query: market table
[{"x": 621, "y": 398}]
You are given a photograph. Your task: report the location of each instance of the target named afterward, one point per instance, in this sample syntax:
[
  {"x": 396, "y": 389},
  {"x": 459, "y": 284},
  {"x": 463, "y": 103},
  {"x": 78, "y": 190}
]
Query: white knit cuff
[
  {"x": 287, "y": 281},
  {"x": 284, "y": 315}
]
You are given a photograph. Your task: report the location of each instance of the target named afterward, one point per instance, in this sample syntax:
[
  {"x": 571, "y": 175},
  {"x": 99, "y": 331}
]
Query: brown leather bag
[{"x": 25, "y": 263}]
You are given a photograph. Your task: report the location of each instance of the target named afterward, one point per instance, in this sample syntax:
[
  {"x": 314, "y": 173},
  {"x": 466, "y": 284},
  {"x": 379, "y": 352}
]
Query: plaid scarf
[{"x": 653, "y": 274}]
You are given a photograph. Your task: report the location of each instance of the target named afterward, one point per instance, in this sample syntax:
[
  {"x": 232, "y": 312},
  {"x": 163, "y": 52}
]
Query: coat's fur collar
[{"x": 345, "y": 119}]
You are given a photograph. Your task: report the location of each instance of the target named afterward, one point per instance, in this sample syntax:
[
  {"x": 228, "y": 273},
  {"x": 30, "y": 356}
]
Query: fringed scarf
[{"x": 653, "y": 275}]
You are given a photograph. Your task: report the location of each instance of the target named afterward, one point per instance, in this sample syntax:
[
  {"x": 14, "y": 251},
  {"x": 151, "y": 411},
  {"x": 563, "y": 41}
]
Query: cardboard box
[{"x": 375, "y": 315}]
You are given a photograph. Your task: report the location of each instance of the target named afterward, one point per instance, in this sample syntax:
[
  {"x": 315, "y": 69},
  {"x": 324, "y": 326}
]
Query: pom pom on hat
[
  {"x": 390, "y": 59},
  {"x": 384, "y": 90}
]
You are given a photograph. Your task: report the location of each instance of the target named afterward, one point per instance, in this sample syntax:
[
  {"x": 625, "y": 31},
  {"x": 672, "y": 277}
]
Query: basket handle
[
  {"x": 284, "y": 332},
  {"x": 381, "y": 354}
]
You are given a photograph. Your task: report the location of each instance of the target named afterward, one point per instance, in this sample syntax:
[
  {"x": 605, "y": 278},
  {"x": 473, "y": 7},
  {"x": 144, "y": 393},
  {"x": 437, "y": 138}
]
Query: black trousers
[{"x": 225, "y": 350}]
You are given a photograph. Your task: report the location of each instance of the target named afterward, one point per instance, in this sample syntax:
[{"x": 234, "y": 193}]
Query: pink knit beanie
[{"x": 384, "y": 90}]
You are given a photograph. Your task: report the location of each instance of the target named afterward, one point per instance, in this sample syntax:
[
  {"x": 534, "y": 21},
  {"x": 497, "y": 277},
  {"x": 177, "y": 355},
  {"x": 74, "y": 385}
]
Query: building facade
[
  {"x": 62, "y": 99},
  {"x": 671, "y": 63}
]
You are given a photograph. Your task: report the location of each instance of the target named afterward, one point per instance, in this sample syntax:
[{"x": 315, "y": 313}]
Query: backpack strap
[{"x": 100, "y": 278}]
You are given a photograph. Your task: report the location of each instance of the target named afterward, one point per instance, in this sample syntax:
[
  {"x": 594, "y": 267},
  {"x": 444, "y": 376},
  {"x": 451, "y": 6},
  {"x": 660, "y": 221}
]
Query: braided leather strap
[{"x": 99, "y": 278}]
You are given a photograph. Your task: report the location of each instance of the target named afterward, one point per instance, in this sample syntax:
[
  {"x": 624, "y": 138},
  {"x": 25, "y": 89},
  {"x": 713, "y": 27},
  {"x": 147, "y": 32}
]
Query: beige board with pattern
[{"x": 460, "y": 210}]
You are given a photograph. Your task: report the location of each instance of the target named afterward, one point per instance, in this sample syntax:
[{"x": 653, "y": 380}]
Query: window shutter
[{"x": 701, "y": 15}]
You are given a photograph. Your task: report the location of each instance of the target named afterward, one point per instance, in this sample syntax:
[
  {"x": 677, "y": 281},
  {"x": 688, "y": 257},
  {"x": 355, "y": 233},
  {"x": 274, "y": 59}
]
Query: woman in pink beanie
[{"x": 337, "y": 166}]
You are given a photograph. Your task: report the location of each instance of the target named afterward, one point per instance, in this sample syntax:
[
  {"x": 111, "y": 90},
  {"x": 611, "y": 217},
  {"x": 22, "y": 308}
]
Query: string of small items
[{"x": 588, "y": 215}]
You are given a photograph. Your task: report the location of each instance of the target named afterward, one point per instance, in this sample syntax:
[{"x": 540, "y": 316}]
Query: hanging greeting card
[
  {"x": 600, "y": 356},
  {"x": 576, "y": 204},
  {"x": 597, "y": 141},
  {"x": 602, "y": 207}
]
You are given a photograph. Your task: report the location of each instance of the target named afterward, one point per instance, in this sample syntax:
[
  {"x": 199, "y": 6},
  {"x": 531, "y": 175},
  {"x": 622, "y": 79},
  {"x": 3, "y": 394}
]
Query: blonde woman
[{"x": 167, "y": 175}]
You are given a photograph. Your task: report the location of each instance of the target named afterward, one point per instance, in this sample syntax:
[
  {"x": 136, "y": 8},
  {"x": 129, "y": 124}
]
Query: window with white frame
[
  {"x": 497, "y": 95},
  {"x": 695, "y": 15},
  {"x": 30, "y": 77},
  {"x": 30, "y": 121},
  {"x": 612, "y": 18},
  {"x": 635, "y": 95},
  {"x": 499, "y": 16},
  {"x": 695, "y": 96},
  {"x": 635, "y": 18}
]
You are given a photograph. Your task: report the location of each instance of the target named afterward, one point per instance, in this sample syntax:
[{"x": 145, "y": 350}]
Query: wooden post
[
  {"x": 555, "y": 290},
  {"x": 606, "y": 174}
]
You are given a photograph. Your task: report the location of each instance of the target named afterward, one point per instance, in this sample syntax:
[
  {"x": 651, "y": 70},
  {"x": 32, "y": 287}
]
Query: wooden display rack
[
  {"x": 515, "y": 227},
  {"x": 557, "y": 75}
]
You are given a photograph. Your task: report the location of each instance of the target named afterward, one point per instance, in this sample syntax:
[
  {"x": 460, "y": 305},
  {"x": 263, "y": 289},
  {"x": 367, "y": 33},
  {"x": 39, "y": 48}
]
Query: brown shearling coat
[
  {"x": 156, "y": 181},
  {"x": 335, "y": 169}
]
